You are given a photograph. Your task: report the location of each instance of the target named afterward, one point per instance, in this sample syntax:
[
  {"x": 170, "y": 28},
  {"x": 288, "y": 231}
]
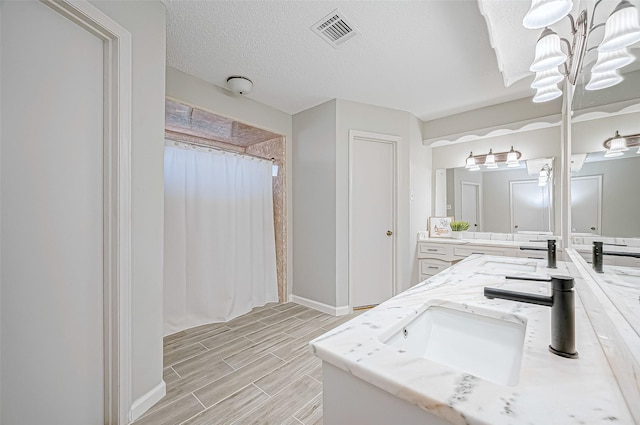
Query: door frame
[
  {"x": 117, "y": 201},
  {"x": 478, "y": 202},
  {"x": 393, "y": 141},
  {"x": 597, "y": 177}
]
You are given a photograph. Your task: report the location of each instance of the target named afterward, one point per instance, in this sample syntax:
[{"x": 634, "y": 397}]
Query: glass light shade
[
  {"x": 546, "y": 94},
  {"x": 618, "y": 144},
  {"x": 542, "y": 182},
  {"x": 471, "y": 161},
  {"x": 546, "y": 12},
  {"x": 475, "y": 168},
  {"x": 549, "y": 55},
  {"x": 638, "y": 151},
  {"x": 547, "y": 78},
  {"x": 512, "y": 158},
  {"x": 610, "y": 61},
  {"x": 621, "y": 29},
  {"x": 609, "y": 154},
  {"x": 602, "y": 80},
  {"x": 490, "y": 160}
]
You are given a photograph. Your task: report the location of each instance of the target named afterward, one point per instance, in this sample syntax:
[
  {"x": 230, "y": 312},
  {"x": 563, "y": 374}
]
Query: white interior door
[
  {"x": 52, "y": 218},
  {"x": 530, "y": 206},
  {"x": 372, "y": 218},
  {"x": 586, "y": 204},
  {"x": 471, "y": 205}
]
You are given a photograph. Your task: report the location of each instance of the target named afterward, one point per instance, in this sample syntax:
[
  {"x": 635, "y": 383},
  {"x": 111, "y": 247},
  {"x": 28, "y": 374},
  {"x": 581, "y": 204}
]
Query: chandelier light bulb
[
  {"x": 602, "y": 80},
  {"x": 610, "y": 61},
  {"x": 621, "y": 29},
  {"x": 546, "y": 94},
  {"x": 543, "y": 13},
  {"x": 549, "y": 55},
  {"x": 550, "y": 77}
]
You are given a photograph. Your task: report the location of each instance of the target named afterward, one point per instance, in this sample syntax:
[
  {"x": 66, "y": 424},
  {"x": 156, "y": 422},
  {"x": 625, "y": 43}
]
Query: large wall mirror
[
  {"x": 504, "y": 199},
  {"x": 604, "y": 182}
]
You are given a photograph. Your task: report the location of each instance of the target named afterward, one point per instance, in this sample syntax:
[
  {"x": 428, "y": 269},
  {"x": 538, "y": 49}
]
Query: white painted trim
[
  {"x": 325, "y": 308},
  {"x": 117, "y": 202},
  {"x": 394, "y": 141},
  {"x": 479, "y": 214},
  {"x": 144, "y": 403}
]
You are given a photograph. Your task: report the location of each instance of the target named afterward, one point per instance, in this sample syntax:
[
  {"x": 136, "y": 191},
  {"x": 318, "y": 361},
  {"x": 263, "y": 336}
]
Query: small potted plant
[{"x": 458, "y": 229}]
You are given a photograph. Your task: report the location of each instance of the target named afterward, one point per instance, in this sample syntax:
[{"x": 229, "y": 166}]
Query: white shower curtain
[{"x": 219, "y": 243}]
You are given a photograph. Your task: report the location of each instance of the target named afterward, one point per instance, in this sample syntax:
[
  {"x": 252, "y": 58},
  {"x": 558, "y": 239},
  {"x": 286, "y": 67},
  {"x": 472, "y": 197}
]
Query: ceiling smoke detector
[
  {"x": 239, "y": 85},
  {"x": 334, "y": 29}
]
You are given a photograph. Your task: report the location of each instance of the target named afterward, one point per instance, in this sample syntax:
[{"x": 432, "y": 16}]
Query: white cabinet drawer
[
  {"x": 431, "y": 250},
  {"x": 465, "y": 251},
  {"x": 431, "y": 266}
]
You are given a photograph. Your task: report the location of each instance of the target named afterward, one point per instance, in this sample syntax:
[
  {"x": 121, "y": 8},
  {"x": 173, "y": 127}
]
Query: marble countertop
[
  {"x": 551, "y": 389},
  {"x": 607, "y": 248},
  {"x": 487, "y": 242}
]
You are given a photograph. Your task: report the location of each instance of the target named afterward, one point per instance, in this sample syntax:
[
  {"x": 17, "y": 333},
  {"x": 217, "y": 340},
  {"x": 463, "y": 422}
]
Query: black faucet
[
  {"x": 562, "y": 303},
  {"x": 551, "y": 252},
  {"x": 598, "y": 253}
]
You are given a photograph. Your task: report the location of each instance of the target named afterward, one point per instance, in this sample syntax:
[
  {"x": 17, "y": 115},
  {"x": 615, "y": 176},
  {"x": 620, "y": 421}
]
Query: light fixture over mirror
[
  {"x": 618, "y": 145},
  {"x": 621, "y": 30},
  {"x": 491, "y": 160}
]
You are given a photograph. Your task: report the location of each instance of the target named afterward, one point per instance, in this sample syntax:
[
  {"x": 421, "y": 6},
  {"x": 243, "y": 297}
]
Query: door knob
[
  {"x": 389, "y": 233},
  {"x": 593, "y": 228}
]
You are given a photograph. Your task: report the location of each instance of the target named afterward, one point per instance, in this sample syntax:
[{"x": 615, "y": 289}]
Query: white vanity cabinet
[{"x": 436, "y": 255}]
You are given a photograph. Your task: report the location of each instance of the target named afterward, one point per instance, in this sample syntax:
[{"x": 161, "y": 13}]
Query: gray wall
[
  {"x": 620, "y": 200},
  {"x": 146, "y": 21},
  {"x": 495, "y": 198},
  {"x": 314, "y": 203}
]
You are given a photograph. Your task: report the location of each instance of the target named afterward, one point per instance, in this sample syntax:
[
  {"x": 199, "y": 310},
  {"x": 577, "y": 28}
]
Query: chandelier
[{"x": 552, "y": 64}]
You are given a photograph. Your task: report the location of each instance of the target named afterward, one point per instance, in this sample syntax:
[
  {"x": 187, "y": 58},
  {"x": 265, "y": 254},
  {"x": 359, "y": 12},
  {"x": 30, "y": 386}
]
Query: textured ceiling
[{"x": 431, "y": 58}]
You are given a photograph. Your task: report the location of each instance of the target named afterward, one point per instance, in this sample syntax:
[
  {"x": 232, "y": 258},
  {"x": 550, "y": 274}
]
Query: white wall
[
  {"x": 314, "y": 204},
  {"x": 198, "y": 93},
  {"x": 420, "y": 179},
  {"x": 146, "y": 20}
]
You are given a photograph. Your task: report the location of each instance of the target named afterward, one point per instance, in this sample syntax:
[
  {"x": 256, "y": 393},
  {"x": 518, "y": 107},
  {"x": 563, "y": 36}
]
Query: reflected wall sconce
[
  {"x": 618, "y": 145},
  {"x": 621, "y": 30},
  {"x": 545, "y": 175},
  {"x": 491, "y": 160}
]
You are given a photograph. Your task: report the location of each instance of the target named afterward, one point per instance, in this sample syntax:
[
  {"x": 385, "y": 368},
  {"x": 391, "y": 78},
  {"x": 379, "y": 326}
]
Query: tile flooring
[{"x": 253, "y": 370}]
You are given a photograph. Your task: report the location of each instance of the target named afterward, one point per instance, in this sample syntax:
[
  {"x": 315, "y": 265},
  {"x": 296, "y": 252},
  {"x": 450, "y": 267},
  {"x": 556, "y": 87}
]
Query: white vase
[{"x": 458, "y": 234}]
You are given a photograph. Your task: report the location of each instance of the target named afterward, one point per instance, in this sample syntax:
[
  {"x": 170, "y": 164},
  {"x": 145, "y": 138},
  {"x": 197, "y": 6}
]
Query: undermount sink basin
[
  {"x": 476, "y": 343},
  {"x": 503, "y": 265}
]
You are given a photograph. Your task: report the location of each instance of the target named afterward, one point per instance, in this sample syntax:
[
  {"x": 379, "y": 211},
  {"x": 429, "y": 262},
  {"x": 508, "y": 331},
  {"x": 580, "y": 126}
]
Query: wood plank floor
[{"x": 253, "y": 370}]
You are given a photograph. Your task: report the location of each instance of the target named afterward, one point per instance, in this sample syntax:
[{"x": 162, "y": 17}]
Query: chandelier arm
[
  {"x": 568, "y": 46},
  {"x": 593, "y": 15},
  {"x": 573, "y": 23}
]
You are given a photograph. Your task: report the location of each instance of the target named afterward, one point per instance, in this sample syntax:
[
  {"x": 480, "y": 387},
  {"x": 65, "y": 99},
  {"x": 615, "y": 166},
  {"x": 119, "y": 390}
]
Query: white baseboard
[
  {"x": 145, "y": 402},
  {"x": 325, "y": 308}
]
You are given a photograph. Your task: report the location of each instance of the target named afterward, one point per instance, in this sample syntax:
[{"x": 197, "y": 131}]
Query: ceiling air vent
[{"x": 334, "y": 29}]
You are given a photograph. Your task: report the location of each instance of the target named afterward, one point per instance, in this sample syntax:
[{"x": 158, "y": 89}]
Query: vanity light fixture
[
  {"x": 491, "y": 160},
  {"x": 544, "y": 176},
  {"x": 512, "y": 159},
  {"x": 618, "y": 145},
  {"x": 471, "y": 164},
  {"x": 621, "y": 30}
]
